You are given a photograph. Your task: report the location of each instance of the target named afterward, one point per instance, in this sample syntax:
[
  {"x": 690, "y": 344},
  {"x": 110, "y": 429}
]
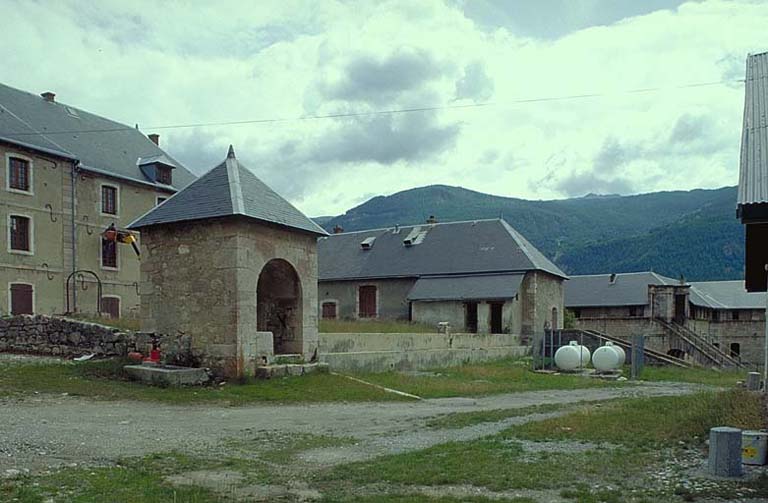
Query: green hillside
[{"x": 694, "y": 233}]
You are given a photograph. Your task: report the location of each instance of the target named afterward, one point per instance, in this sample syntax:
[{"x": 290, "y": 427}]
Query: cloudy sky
[{"x": 485, "y": 69}]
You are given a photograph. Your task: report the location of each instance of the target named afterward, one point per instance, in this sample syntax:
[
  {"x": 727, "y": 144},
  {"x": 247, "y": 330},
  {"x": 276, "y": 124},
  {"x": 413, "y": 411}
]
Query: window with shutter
[
  {"x": 329, "y": 310},
  {"x": 367, "y": 302},
  {"x": 19, "y": 230},
  {"x": 109, "y": 200},
  {"x": 18, "y": 174},
  {"x": 21, "y": 299},
  {"x": 110, "y": 306}
]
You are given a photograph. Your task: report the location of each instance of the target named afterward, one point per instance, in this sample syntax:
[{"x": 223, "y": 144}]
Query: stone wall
[{"x": 44, "y": 335}]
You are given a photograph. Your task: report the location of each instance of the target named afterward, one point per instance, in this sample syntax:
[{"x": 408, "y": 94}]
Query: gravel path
[{"x": 46, "y": 431}]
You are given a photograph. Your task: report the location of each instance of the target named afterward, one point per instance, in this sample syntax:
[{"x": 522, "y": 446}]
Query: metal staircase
[{"x": 699, "y": 348}]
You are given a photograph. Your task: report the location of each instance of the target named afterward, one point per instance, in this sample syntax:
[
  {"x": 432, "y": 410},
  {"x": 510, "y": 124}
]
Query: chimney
[
  {"x": 154, "y": 138},
  {"x": 337, "y": 229},
  {"x": 49, "y": 96},
  {"x": 431, "y": 220},
  {"x": 612, "y": 279}
]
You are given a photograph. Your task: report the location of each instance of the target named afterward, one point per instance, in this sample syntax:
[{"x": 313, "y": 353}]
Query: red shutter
[
  {"x": 367, "y": 302},
  {"x": 21, "y": 298},
  {"x": 329, "y": 310}
]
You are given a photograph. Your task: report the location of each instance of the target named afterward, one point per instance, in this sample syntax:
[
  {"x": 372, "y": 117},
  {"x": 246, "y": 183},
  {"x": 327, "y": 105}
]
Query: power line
[{"x": 381, "y": 112}]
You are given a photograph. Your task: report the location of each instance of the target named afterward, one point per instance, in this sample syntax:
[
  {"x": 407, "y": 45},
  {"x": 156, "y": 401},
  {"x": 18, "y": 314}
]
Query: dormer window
[{"x": 164, "y": 175}]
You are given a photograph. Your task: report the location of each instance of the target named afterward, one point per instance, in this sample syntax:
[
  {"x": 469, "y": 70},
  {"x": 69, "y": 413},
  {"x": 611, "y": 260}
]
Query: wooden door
[
  {"x": 470, "y": 317},
  {"x": 367, "y": 302},
  {"x": 496, "y": 317},
  {"x": 110, "y": 306},
  {"x": 21, "y": 299}
]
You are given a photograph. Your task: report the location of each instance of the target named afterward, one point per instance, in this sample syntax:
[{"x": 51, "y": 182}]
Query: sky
[{"x": 486, "y": 71}]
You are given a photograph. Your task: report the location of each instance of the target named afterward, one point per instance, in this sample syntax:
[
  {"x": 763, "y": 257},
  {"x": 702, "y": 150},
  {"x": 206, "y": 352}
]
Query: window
[
  {"x": 715, "y": 315},
  {"x": 635, "y": 311},
  {"x": 329, "y": 311},
  {"x": 22, "y": 299},
  {"x": 164, "y": 175},
  {"x": 108, "y": 253},
  {"x": 160, "y": 200},
  {"x": 109, "y": 200},
  {"x": 577, "y": 313},
  {"x": 734, "y": 315},
  {"x": 19, "y": 174},
  {"x": 367, "y": 302},
  {"x": 20, "y": 232},
  {"x": 110, "y": 306}
]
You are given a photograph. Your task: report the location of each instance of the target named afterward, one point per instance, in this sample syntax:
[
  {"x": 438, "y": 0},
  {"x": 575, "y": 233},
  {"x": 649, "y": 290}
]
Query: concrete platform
[
  {"x": 167, "y": 375},
  {"x": 289, "y": 369}
]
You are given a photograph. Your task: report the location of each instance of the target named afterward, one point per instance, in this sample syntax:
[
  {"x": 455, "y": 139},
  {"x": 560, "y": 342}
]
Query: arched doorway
[{"x": 278, "y": 306}]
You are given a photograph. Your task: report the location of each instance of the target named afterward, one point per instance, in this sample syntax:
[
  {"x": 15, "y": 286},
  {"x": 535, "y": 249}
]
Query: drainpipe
[{"x": 73, "y": 226}]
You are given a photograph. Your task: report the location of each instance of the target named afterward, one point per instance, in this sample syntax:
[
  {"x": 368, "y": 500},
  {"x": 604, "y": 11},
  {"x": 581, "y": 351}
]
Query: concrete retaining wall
[{"x": 382, "y": 352}]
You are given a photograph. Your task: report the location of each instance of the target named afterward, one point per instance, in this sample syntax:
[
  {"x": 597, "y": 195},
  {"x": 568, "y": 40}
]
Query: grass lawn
[
  {"x": 501, "y": 376},
  {"x": 104, "y": 380},
  {"x": 637, "y": 436},
  {"x": 694, "y": 375},
  {"x": 374, "y": 326}
]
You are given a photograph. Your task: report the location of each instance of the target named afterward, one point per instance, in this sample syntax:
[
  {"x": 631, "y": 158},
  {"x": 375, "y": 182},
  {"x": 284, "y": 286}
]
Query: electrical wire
[{"x": 379, "y": 112}]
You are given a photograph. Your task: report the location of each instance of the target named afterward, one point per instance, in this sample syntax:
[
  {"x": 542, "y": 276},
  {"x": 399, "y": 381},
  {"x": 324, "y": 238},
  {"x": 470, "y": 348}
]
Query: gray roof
[
  {"x": 753, "y": 176},
  {"x": 725, "y": 295},
  {"x": 482, "y": 246},
  {"x": 226, "y": 190},
  {"x": 597, "y": 290},
  {"x": 475, "y": 287},
  {"x": 101, "y": 145}
]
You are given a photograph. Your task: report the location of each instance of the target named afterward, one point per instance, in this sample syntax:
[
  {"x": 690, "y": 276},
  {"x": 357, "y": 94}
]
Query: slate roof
[
  {"x": 753, "y": 175},
  {"x": 475, "y": 287},
  {"x": 101, "y": 145},
  {"x": 226, "y": 190},
  {"x": 457, "y": 248},
  {"x": 725, "y": 295},
  {"x": 597, "y": 290}
]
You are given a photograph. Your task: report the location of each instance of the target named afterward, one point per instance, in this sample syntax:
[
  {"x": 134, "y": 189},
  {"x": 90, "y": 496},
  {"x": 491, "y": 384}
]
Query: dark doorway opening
[
  {"x": 496, "y": 317},
  {"x": 735, "y": 350},
  {"x": 278, "y": 306},
  {"x": 679, "y": 307},
  {"x": 677, "y": 353},
  {"x": 470, "y": 317}
]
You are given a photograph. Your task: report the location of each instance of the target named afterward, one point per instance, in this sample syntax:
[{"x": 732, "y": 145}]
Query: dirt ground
[{"x": 41, "y": 432}]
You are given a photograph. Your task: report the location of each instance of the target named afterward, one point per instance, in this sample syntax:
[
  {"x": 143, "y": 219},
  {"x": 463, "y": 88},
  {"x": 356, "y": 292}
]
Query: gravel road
[{"x": 46, "y": 431}]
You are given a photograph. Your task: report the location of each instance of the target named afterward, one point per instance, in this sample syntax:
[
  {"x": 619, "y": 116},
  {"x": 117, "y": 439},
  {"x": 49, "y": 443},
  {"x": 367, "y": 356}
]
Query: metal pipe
[{"x": 73, "y": 230}]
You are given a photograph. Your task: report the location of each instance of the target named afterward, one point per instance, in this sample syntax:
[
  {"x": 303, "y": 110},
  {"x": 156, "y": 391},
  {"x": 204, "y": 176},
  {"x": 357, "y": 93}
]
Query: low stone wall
[
  {"x": 44, "y": 335},
  {"x": 377, "y": 352}
]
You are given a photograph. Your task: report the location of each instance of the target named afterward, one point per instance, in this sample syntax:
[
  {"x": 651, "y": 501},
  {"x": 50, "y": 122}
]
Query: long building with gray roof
[{"x": 481, "y": 276}]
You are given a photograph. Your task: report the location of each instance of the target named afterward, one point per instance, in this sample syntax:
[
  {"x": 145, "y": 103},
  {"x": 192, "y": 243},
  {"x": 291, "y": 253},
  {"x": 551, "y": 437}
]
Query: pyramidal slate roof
[
  {"x": 229, "y": 189},
  {"x": 452, "y": 248},
  {"x": 101, "y": 145}
]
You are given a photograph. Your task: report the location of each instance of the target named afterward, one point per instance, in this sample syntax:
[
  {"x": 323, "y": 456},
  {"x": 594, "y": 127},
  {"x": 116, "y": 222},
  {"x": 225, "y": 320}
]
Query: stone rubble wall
[{"x": 45, "y": 335}]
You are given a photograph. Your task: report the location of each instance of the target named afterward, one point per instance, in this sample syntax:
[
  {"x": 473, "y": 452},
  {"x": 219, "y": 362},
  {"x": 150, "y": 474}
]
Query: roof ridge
[{"x": 391, "y": 227}]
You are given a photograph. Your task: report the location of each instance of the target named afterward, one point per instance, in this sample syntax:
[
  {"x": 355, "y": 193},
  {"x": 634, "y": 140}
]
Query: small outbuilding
[{"x": 230, "y": 263}]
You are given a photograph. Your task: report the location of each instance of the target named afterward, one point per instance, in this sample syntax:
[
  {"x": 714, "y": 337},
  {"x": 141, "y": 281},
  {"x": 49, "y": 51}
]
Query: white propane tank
[
  {"x": 608, "y": 357},
  {"x": 572, "y": 356},
  {"x": 620, "y": 350}
]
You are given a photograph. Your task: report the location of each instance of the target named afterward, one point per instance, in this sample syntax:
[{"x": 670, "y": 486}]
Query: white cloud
[{"x": 168, "y": 63}]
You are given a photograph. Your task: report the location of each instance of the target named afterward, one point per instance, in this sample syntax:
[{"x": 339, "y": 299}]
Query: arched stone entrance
[{"x": 278, "y": 306}]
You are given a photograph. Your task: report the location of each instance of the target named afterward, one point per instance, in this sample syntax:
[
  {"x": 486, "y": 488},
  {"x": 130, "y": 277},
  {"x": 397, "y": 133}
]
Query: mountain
[{"x": 694, "y": 233}]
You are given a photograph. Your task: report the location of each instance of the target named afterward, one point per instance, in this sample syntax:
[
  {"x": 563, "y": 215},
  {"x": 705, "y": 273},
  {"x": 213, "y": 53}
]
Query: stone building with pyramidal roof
[{"x": 231, "y": 264}]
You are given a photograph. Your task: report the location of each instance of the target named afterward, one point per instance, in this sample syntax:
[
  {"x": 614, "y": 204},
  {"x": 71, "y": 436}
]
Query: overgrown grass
[
  {"x": 103, "y": 380},
  {"x": 374, "y": 326},
  {"x": 636, "y": 437},
  {"x": 500, "y": 376},
  {"x": 463, "y": 419},
  {"x": 651, "y": 421},
  {"x": 693, "y": 375}
]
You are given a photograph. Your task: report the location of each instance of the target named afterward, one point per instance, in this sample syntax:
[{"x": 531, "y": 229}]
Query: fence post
[{"x": 638, "y": 356}]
